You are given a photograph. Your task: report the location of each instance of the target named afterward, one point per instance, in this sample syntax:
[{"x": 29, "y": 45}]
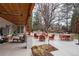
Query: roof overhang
[{"x": 17, "y": 13}]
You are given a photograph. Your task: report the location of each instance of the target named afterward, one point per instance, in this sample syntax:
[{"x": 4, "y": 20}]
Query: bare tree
[
  {"x": 47, "y": 12},
  {"x": 55, "y": 13},
  {"x": 67, "y": 10}
]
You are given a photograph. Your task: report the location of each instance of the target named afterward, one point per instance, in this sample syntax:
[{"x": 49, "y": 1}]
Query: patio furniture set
[
  {"x": 43, "y": 36},
  {"x": 10, "y": 38},
  {"x": 63, "y": 37},
  {"x": 3, "y": 39},
  {"x": 46, "y": 49}
]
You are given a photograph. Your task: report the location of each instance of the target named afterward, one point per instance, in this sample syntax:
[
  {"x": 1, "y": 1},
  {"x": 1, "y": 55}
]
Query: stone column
[{"x": 27, "y": 31}]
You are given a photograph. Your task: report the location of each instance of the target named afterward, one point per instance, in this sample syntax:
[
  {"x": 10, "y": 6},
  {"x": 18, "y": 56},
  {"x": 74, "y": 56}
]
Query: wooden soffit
[{"x": 17, "y": 13}]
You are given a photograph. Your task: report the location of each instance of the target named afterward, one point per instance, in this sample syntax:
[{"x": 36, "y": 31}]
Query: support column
[
  {"x": 27, "y": 29},
  {"x": 29, "y": 25}
]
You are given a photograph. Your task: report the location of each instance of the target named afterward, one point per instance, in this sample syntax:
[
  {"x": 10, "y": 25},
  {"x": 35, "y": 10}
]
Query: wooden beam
[
  {"x": 28, "y": 23},
  {"x": 9, "y": 10}
]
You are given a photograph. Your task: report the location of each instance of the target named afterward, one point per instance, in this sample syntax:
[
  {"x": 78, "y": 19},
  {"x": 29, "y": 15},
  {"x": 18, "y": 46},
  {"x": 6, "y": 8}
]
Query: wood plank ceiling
[{"x": 17, "y": 13}]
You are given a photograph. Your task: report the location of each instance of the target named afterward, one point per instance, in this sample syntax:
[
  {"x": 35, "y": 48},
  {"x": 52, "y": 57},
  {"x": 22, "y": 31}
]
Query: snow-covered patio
[{"x": 65, "y": 48}]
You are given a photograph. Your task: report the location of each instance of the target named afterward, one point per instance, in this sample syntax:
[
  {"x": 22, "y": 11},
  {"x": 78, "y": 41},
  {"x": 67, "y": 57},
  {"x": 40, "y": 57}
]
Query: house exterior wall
[{"x": 6, "y": 25}]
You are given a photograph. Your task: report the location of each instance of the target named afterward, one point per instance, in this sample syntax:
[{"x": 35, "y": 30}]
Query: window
[{"x": 20, "y": 29}]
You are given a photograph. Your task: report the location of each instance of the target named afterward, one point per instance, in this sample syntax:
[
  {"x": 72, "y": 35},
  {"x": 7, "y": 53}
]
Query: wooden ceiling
[{"x": 17, "y": 13}]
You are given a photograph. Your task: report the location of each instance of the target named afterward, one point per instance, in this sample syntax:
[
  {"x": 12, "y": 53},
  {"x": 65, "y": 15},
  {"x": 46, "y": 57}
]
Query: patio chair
[
  {"x": 51, "y": 37},
  {"x": 41, "y": 38},
  {"x": 35, "y": 35}
]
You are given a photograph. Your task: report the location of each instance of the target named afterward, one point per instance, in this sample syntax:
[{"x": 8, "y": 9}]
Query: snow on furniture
[{"x": 66, "y": 37}]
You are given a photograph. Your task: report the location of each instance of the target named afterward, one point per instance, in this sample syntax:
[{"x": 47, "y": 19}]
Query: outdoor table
[{"x": 66, "y": 37}]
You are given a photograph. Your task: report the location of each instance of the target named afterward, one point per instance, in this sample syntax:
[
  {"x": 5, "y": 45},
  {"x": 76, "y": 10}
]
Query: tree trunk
[{"x": 78, "y": 40}]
